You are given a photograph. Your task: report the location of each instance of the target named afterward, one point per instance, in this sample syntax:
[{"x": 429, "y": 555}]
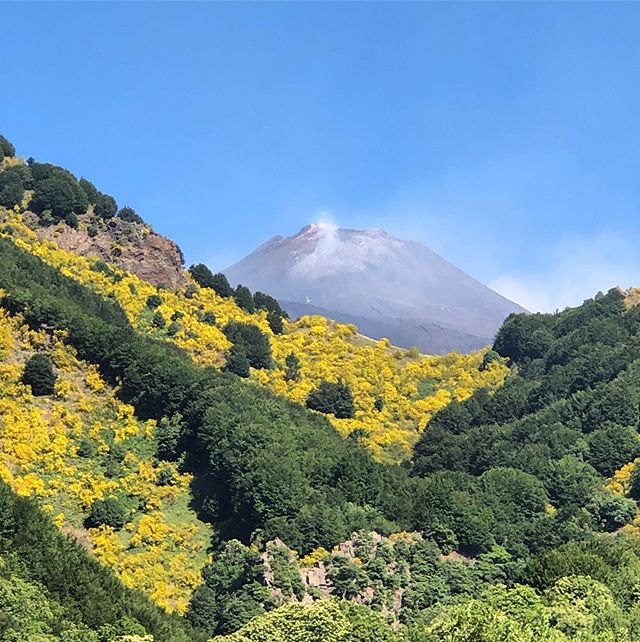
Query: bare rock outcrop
[{"x": 134, "y": 247}]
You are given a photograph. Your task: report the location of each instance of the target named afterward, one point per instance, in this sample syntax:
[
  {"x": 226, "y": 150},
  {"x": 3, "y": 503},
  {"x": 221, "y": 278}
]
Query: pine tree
[
  {"x": 6, "y": 148},
  {"x": 202, "y": 275},
  {"x": 275, "y": 322},
  {"x": 237, "y": 362},
  {"x": 244, "y": 299},
  {"x": 221, "y": 285}
]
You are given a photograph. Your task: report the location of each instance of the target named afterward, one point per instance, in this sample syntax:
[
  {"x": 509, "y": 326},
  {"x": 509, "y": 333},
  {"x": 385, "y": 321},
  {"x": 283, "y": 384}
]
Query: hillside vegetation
[
  {"x": 145, "y": 424},
  {"x": 52, "y": 590},
  {"x": 567, "y": 419},
  {"x": 395, "y": 391},
  {"x": 80, "y": 446},
  {"x": 263, "y": 485}
]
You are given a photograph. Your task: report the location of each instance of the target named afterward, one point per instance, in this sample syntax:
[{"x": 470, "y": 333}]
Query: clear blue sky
[{"x": 504, "y": 136}]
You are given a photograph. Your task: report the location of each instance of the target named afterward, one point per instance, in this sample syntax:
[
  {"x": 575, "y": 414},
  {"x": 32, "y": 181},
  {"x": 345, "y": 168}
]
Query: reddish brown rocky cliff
[{"x": 132, "y": 246}]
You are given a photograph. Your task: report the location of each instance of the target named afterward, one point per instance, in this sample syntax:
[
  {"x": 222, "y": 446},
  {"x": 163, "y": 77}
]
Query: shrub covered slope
[{"x": 125, "y": 409}]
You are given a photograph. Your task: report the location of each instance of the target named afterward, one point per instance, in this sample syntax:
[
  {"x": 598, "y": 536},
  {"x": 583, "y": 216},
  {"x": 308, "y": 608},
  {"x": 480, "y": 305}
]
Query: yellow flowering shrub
[
  {"x": 6, "y": 337},
  {"x": 317, "y": 555},
  {"x": 620, "y": 483}
]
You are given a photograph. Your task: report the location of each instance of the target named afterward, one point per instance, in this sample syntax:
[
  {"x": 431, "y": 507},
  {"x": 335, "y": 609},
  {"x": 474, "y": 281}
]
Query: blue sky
[{"x": 504, "y": 136}]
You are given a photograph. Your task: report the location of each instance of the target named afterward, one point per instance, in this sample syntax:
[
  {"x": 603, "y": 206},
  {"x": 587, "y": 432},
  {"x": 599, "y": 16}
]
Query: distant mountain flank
[{"x": 389, "y": 287}]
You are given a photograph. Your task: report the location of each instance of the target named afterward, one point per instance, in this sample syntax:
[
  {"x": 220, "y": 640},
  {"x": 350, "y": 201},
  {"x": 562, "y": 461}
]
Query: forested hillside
[
  {"x": 563, "y": 423},
  {"x": 394, "y": 391},
  {"x": 243, "y": 470}
]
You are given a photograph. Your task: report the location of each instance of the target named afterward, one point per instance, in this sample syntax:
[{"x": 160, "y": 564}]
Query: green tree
[
  {"x": 335, "y": 398},
  {"x": 517, "y": 338},
  {"x": 11, "y": 193},
  {"x": 169, "y": 433},
  {"x": 292, "y": 367},
  {"x": 6, "y": 148},
  {"x": 40, "y": 171},
  {"x": 90, "y": 190},
  {"x": 502, "y": 614},
  {"x": 158, "y": 321},
  {"x": 154, "y": 301},
  {"x": 105, "y": 206},
  {"x": 612, "y": 512},
  {"x": 237, "y": 361},
  {"x": 202, "y": 275},
  {"x": 252, "y": 341},
  {"x": 221, "y": 285},
  {"x": 12, "y": 185},
  {"x": 612, "y": 447},
  {"x": 234, "y": 591},
  {"x": 571, "y": 481},
  {"x": 40, "y": 374},
  {"x": 266, "y": 302},
  {"x": 110, "y": 512},
  {"x": 325, "y": 620},
  {"x": 348, "y": 579},
  {"x": 59, "y": 194},
  {"x": 71, "y": 219},
  {"x": 583, "y": 606},
  {"x": 243, "y": 298},
  {"x": 275, "y": 322},
  {"x": 129, "y": 215}
]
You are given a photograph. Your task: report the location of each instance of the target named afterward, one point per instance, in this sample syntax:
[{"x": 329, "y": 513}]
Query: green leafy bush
[
  {"x": 158, "y": 321},
  {"x": 40, "y": 375},
  {"x": 6, "y": 148},
  {"x": 108, "y": 512},
  {"x": 154, "y": 301},
  {"x": 335, "y": 398},
  {"x": 129, "y": 215}
]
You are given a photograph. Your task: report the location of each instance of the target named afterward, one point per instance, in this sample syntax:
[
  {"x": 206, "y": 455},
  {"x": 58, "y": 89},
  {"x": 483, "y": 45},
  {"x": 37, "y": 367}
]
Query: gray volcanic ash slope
[{"x": 388, "y": 287}]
